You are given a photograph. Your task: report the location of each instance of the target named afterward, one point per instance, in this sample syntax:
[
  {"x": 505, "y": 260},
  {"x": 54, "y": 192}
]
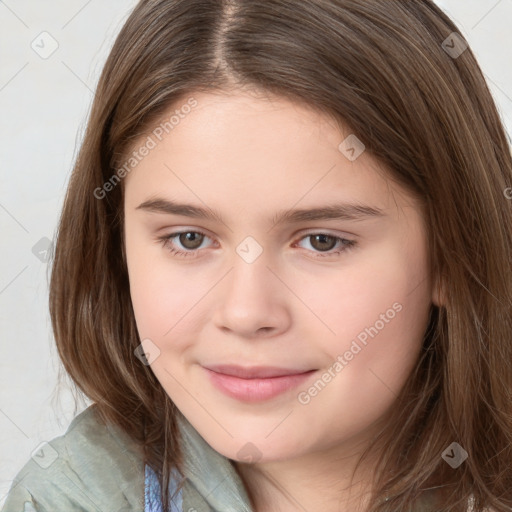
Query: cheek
[
  {"x": 377, "y": 313},
  {"x": 385, "y": 288},
  {"x": 369, "y": 361},
  {"x": 164, "y": 298}
]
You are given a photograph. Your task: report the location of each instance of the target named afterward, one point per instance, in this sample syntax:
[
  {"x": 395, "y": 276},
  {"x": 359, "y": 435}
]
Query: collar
[{"x": 211, "y": 479}]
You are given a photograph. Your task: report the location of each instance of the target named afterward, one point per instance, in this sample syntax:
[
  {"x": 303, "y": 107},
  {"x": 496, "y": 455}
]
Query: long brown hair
[{"x": 394, "y": 72}]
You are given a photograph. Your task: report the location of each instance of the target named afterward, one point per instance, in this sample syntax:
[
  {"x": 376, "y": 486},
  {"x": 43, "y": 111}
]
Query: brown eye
[
  {"x": 191, "y": 239},
  {"x": 324, "y": 245},
  {"x": 323, "y": 242},
  {"x": 183, "y": 243}
]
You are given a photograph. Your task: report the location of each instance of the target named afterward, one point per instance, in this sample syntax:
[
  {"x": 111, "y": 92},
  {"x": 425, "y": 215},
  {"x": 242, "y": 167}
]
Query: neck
[{"x": 320, "y": 481}]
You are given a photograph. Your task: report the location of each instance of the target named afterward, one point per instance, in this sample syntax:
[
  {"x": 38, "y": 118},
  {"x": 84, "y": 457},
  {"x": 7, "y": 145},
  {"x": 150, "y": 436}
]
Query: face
[{"x": 340, "y": 296}]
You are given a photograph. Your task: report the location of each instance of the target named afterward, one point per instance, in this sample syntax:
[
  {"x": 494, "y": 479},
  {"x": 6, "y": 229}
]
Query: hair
[{"x": 379, "y": 67}]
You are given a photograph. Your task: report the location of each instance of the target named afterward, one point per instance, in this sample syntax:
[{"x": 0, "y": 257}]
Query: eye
[
  {"x": 191, "y": 240},
  {"x": 324, "y": 243}
]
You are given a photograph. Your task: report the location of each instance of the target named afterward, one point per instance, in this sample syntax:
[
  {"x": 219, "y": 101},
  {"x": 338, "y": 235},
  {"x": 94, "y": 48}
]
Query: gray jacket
[{"x": 97, "y": 468}]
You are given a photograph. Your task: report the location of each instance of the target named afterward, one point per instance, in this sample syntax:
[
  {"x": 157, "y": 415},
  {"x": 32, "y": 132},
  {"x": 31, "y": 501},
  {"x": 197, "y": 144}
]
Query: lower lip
[{"x": 256, "y": 390}]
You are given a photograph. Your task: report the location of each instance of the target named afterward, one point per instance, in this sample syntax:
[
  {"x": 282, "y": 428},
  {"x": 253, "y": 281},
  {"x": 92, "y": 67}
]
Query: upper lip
[{"x": 255, "y": 372}]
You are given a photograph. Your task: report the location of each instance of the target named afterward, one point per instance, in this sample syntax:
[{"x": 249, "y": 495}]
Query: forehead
[{"x": 240, "y": 150}]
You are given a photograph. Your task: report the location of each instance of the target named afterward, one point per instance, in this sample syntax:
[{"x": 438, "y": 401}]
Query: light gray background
[{"x": 44, "y": 103}]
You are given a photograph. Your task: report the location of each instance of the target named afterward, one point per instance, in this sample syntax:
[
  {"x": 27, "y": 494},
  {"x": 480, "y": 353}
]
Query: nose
[{"x": 252, "y": 301}]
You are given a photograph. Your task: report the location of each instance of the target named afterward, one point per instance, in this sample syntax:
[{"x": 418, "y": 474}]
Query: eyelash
[{"x": 166, "y": 239}]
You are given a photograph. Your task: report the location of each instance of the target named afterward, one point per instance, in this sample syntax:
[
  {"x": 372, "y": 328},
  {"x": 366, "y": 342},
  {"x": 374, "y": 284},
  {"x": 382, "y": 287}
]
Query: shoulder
[{"x": 93, "y": 466}]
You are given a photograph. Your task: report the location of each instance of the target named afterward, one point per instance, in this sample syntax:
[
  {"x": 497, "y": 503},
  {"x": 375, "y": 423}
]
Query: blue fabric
[{"x": 152, "y": 501}]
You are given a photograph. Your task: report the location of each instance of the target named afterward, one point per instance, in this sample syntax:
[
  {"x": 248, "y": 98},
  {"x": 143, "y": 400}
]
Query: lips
[
  {"x": 256, "y": 384},
  {"x": 256, "y": 372}
]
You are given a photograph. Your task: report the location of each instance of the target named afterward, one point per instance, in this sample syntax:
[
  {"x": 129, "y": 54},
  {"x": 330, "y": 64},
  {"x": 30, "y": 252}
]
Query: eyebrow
[{"x": 336, "y": 211}]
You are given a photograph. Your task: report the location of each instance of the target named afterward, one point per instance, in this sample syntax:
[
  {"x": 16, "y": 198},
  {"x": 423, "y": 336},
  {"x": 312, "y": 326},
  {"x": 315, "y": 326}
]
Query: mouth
[
  {"x": 255, "y": 372},
  {"x": 256, "y": 384}
]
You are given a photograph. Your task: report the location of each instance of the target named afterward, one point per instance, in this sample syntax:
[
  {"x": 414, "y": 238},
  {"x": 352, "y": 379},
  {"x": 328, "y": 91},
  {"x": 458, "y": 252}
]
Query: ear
[{"x": 438, "y": 292}]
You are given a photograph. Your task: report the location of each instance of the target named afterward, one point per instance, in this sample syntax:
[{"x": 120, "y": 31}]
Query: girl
[{"x": 282, "y": 271}]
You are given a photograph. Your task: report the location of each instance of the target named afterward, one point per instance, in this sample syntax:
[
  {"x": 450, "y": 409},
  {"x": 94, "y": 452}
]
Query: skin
[{"x": 248, "y": 157}]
